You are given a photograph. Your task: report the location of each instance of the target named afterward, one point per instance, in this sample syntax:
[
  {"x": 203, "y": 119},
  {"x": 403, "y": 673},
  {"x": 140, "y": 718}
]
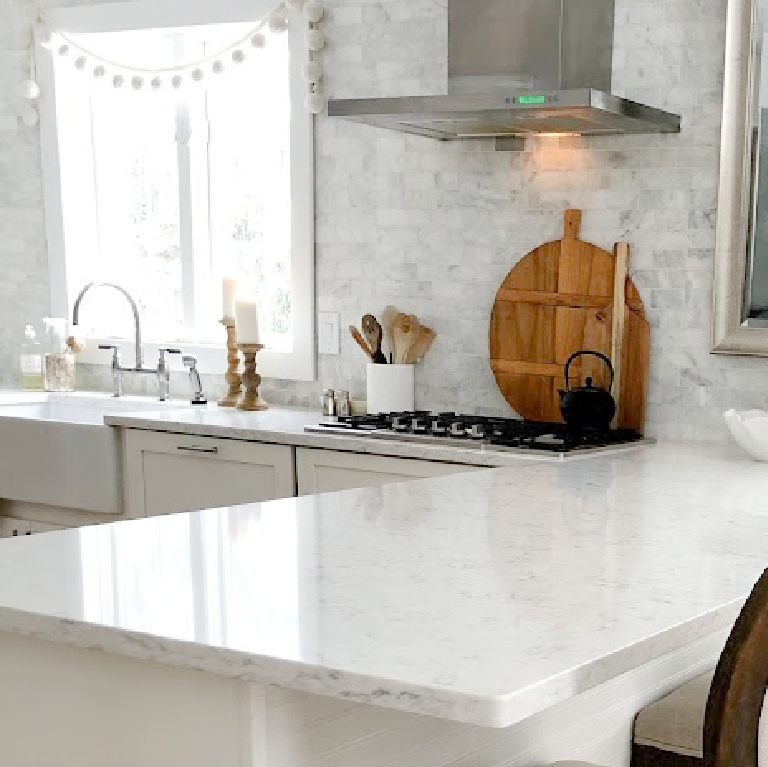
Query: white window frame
[{"x": 298, "y": 365}]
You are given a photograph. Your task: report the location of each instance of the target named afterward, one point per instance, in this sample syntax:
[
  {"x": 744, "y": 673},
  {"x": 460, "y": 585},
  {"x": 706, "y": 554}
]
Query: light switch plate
[{"x": 328, "y": 341}]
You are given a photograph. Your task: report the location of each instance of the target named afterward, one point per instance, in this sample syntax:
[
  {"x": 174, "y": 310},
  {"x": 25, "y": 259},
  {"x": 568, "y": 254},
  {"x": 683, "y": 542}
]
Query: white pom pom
[
  {"x": 118, "y": 81},
  {"x": 177, "y": 81},
  {"x": 43, "y": 33},
  {"x": 313, "y": 11},
  {"x": 315, "y": 102},
  {"x": 63, "y": 50},
  {"x": 315, "y": 40},
  {"x": 278, "y": 22},
  {"x": 137, "y": 83},
  {"x": 156, "y": 83},
  {"x": 29, "y": 90},
  {"x": 312, "y": 72},
  {"x": 217, "y": 67},
  {"x": 238, "y": 56},
  {"x": 197, "y": 75},
  {"x": 258, "y": 40},
  {"x": 294, "y": 5},
  {"x": 80, "y": 63},
  {"x": 99, "y": 72},
  {"x": 29, "y": 116}
]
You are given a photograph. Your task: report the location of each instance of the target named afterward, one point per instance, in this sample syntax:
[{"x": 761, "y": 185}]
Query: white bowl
[{"x": 750, "y": 430}]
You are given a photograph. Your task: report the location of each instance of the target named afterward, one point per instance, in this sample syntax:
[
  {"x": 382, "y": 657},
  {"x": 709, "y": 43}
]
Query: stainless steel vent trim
[{"x": 584, "y": 110}]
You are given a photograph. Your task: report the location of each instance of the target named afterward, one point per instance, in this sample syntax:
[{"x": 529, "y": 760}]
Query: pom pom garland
[
  {"x": 313, "y": 11},
  {"x": 277, "y": 22},
  {"x": 29, "y": 90},
  {"x": 312, "y": 72},
  {"x": 137, "y": 78},
  {"x": 315, "y": 40},
  {"x": 315, "y": 102}
]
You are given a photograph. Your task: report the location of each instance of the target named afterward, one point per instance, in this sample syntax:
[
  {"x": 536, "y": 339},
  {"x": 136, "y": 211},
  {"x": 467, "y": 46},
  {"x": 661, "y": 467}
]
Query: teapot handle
[{"x": 594, "y": 354}]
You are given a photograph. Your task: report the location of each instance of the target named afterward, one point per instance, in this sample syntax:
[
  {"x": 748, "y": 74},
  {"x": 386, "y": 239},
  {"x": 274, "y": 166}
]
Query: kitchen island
[{"x": 515, "y": 615}]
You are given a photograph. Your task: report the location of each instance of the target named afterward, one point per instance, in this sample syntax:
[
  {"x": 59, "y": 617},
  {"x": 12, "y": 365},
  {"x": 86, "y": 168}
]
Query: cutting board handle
[{"x": 572, "y": 224}]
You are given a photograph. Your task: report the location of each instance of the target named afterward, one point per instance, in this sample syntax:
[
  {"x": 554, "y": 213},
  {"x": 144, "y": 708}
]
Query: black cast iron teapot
[{"x": 588, "y": 406}]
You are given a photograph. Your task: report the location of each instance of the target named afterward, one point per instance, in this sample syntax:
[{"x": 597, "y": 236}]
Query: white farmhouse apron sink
[{"x": 55, "y": 449}]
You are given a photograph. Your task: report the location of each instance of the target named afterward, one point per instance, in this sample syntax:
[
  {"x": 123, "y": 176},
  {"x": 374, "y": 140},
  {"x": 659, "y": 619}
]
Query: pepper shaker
[
  {"x": 342, "y": 404},
  {"x": 329, "y": 402}
]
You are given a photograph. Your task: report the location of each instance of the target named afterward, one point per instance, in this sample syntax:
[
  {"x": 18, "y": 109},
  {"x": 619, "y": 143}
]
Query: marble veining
[{"x": 482, "y": 597}]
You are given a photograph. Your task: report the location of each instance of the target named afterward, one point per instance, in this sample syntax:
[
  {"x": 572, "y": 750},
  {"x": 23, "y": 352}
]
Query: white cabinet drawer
[
  {"x": 166, "y": 473},
  {"x": 323, "y": 471}
]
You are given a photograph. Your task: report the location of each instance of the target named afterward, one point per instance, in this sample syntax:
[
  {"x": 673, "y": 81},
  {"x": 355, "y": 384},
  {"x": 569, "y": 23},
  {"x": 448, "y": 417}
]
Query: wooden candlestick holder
[
  {"x": 251, "y": 399},
  {"x": 232, "y": 376}
]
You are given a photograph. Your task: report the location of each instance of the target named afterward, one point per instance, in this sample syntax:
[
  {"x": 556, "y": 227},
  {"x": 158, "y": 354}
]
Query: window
[{"x": 166, "y": 190}]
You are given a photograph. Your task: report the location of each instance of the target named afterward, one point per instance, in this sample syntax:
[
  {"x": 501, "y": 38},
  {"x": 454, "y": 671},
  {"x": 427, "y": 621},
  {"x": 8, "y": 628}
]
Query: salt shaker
[
  {"x": 329, "y": 403},
  {"x": 342, "y": 404}
]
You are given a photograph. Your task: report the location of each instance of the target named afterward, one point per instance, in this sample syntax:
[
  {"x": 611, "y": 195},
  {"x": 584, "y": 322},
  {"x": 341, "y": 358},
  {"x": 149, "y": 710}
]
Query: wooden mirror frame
[{"x": 734, "y": 197}]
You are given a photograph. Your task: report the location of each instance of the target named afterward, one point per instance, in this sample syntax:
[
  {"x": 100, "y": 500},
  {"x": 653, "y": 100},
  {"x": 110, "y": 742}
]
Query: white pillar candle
[
  {"x": 247, "y": 322},
  {"x": 228, "y": 294}
]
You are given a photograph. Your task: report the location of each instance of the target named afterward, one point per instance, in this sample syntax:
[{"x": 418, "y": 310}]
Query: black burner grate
[{"x": 502, "y": 432}]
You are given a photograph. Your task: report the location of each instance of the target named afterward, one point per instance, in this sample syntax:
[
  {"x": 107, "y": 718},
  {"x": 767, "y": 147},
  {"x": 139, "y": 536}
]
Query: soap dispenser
[
  {"x": 31, "y": 360},
  {"x": 59, "y": 361}
]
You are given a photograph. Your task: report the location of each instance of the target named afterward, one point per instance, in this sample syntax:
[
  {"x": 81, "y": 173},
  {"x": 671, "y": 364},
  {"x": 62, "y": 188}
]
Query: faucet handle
[
  {"x": 190, "y": 361},
  {"x": 115, "y": 351},
  {"x": 169, "y": 350}
]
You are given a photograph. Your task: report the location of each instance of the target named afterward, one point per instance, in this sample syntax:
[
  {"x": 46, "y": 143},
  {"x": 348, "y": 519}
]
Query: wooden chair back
[{"x": 738, "y": 687}]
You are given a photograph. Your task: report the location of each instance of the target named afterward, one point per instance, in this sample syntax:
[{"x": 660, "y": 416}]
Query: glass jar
[{"x": 59, "y": 372}]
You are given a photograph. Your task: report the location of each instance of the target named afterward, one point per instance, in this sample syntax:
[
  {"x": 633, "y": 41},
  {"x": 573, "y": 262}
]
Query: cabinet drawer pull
[{"x": 194, "y": 449}]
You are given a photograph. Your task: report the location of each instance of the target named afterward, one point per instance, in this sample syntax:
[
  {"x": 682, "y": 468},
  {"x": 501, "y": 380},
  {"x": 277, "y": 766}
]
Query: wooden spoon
[
  {"x": 360, "y": 341},
  {"x": 406, "y": 330},
  {"x": 388, "y": 318},
  {"x": 420, "y": 346},
  {"x": 372, "y": 333}
]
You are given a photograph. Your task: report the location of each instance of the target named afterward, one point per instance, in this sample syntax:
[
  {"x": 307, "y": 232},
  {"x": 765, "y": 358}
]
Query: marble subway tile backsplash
[{"x": 434, "y": 227}]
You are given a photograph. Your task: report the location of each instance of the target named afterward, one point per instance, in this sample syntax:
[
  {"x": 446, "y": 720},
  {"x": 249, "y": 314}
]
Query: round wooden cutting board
[{"x": 557, "y": 300}]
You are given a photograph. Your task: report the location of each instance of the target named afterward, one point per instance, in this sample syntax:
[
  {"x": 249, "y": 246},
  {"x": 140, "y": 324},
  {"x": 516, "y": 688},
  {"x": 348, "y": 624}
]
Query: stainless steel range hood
[{"x": 516, "y": 68}]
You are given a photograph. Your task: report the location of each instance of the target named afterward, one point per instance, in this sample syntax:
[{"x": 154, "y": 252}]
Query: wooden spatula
[
  {"x": 405, "y": 331},
  {"x": 420, "y": 346},
  {"x": 388, "y": 317},
  {"x": 361, "y": 341},
  {"x": 372, "y": 332}
]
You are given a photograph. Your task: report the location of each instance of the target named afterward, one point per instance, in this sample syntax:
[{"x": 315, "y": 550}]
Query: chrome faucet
[
  {"x": 196, "y": 397},
  {"x": 162, "y": 371},
  {"x": 136, "y": 323},
  {"x": 164, "y": 374}
]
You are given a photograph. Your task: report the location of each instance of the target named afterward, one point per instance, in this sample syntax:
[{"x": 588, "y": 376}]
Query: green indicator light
[{"x": 538, "y": 99}]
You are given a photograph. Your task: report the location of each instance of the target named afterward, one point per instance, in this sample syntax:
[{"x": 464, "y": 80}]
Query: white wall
[{"x": 434, "y": 227}]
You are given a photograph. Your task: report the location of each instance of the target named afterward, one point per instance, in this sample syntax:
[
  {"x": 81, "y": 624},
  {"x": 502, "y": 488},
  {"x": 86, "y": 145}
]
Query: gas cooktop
[{"x": 480, "y": 432}]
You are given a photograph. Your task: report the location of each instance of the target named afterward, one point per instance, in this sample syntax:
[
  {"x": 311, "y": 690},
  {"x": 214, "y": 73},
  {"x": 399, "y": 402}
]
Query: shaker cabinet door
[
  {"x": 166, "y": 473},
  {"x": 323, "y": 471}
]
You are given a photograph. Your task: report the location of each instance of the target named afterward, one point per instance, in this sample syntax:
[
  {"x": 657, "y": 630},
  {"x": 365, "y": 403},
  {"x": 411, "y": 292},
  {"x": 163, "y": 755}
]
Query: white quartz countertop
[
  {"x": 286, "y": 426},
  {"x": 480, "y": 597}
]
